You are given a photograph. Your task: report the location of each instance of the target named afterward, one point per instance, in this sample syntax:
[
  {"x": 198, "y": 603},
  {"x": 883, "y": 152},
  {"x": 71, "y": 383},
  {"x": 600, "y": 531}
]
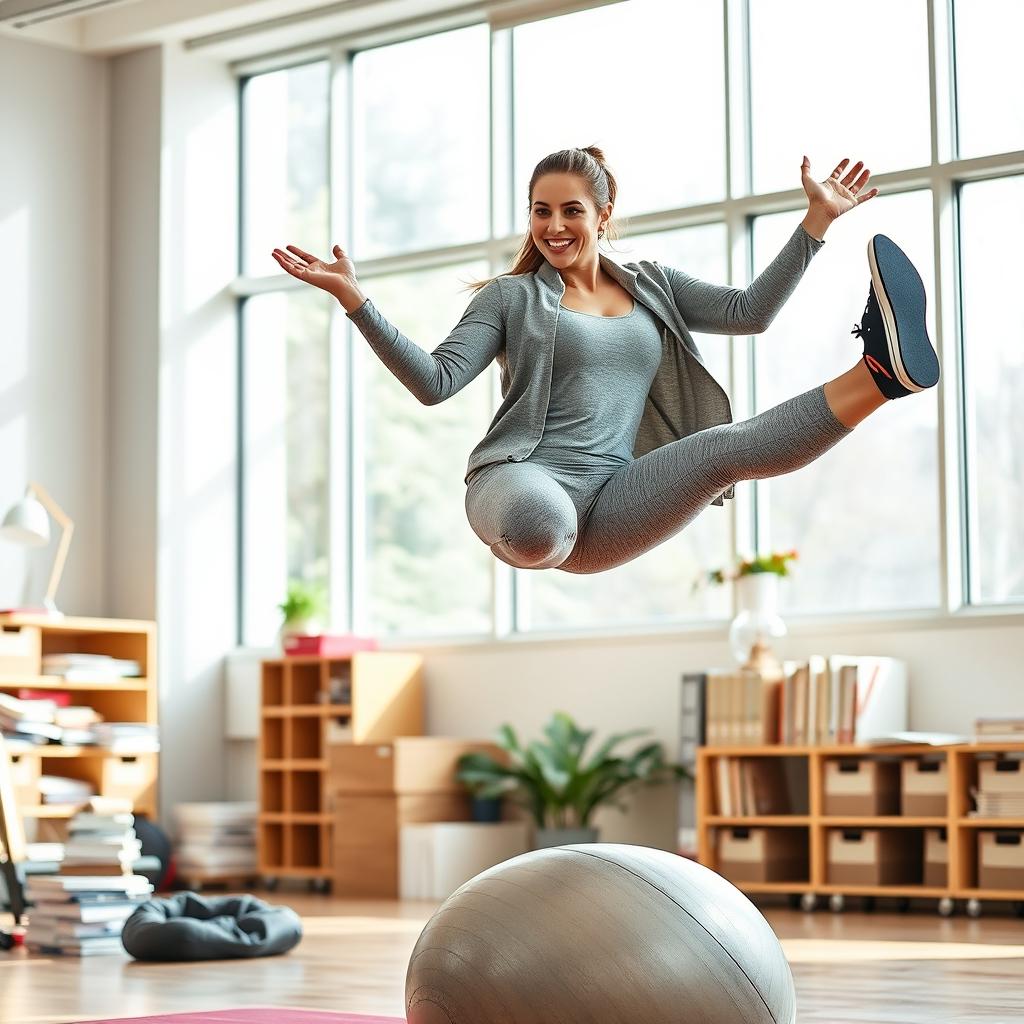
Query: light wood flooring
[{"x": 850, "y": 968}]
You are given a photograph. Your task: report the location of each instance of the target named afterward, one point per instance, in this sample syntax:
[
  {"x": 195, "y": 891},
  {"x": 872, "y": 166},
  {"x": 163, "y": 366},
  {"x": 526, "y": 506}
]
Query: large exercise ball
[{"x": 599, "y": 933}]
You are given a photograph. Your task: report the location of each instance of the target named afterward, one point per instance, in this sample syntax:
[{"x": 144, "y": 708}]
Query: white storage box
[{"x": 435, "y": 858}]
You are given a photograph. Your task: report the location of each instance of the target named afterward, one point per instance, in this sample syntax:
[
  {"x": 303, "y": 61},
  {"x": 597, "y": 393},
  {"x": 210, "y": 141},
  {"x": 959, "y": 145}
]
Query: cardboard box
[
  {"x": 856, "y": 787},
  {"x": 1001, "y": 860},
  {"x": 435, "y": 858},
  {"x": 407, "y": 764},
  {"x": 25, "y": 773},
  {"x": 763, "y": 854},
  {"x": 936, "y": 858},
  {"x": 130, "y": 777},
  {"x": 20, "y": 650},
  {"x": 925, "y": 788},
  {"x": 365, "y": 857},
  {"x": 874, "y": 856},
  {"x": 1003, "y": 776}
]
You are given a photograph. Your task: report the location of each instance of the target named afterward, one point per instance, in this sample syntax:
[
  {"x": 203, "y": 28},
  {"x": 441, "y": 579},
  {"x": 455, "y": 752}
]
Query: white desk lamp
[{"x": 27, "y": 523}]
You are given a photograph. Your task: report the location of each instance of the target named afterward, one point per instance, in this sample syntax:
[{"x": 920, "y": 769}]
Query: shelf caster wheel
[
  {"x": 903, "y": 906},
  {"x": 946, "y": 907},
  {"x": 974, "y": 908},
  {"x": 836, "y": 902},
  {"x": 320, "y": 886},
  {"x": 808, "y": 901},
  {"x": 869, "y": 904},
  {"x": 270, "y": 883},
  {"x": 1018, "y": 908}
]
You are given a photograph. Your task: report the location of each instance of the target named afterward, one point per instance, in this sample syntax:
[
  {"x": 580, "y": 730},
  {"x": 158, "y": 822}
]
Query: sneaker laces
[{"x": 858, "y": 329}]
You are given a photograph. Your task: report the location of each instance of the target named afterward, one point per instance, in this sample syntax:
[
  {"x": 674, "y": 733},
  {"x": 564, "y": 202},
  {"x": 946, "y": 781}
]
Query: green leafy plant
[
  {"x": 776, "y": 562},
  {"x": 304, "y": 601},
  {"x": 555, "y": 782}
]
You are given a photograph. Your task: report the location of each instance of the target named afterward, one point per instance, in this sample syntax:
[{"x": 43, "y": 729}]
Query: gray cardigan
[{"x": 513, "y": 320}]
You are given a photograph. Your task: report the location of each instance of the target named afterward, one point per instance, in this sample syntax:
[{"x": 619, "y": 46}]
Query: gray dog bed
[{"x": 187, "y": 926}]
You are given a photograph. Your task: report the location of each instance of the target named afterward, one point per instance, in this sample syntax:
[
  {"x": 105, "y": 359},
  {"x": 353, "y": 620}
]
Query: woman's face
[{"x": 562, "y": 210}]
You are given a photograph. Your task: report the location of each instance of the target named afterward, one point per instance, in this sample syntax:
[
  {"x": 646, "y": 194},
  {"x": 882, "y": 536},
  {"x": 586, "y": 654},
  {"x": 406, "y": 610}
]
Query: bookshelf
[
  {"x": 24, "y": 640},
  {"x": 307, "y": 703},
  {"x": 806, "y": 768}
]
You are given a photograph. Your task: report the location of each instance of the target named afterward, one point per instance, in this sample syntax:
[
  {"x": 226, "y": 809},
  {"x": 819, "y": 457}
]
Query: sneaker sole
[{"x": 902, "y": 302}]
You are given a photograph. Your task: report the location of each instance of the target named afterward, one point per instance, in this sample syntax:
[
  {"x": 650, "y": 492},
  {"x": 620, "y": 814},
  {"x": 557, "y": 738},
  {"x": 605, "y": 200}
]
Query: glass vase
[{"x": 757, "y": 627}]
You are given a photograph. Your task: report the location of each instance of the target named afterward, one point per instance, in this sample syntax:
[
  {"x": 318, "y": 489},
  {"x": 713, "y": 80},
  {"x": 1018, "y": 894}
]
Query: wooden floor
[{"x": 850, "y": 968}]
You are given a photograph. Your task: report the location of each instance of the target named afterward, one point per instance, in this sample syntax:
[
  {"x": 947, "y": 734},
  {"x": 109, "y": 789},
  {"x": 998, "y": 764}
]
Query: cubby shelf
[
  {"x": 961, "y": 829},
  {"x": 25, "y": 639},
  {"x": 308, "y": 702}
]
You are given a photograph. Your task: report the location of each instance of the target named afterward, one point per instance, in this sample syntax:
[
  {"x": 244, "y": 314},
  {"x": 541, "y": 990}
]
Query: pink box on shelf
[{"x": 328, "y": 646}]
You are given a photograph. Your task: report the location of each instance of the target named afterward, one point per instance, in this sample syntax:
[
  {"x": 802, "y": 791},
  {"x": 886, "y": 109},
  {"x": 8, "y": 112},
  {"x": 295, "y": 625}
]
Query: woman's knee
[
  {"x": 524, "y": 516},
  {"x": 541, "y": 544}
]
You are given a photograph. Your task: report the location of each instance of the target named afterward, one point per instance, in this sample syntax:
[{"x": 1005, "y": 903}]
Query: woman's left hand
[{"x": 835, "y": 196}]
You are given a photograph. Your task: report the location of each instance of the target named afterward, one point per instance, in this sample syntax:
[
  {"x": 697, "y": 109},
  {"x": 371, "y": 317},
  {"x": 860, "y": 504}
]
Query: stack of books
[
  {"x": 127, "y": 737},
  {"x": 81, "y": 915},
  {"x": 89, "y": 668},
  {"x": 999, "y": 729},
  {"x": 28, "y": 722},
  {"x": 101, "y": 844},
  {"x": 817, "y": 701},
  {"x": 216, "y": 838}
]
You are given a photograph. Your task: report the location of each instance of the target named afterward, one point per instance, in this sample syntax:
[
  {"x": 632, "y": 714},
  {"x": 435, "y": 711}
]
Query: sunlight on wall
[{"x": 14, "y": 268}]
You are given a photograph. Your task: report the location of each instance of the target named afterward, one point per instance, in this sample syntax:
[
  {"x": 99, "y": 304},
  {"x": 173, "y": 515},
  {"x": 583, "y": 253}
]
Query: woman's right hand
[{"x": 337, "y": 278}]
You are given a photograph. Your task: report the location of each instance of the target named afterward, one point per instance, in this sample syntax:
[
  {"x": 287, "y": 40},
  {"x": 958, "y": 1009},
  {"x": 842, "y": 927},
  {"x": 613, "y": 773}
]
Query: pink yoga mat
[{"x": 255, "y": 1015}]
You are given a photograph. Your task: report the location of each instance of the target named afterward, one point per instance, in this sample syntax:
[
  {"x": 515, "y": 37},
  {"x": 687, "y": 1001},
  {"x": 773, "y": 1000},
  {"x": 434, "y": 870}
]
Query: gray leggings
[{"x": 588, "y": 519}]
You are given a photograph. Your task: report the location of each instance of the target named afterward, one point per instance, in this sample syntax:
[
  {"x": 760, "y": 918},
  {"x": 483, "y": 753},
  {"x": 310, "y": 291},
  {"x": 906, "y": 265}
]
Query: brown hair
[{"x": 589, "y": 164}]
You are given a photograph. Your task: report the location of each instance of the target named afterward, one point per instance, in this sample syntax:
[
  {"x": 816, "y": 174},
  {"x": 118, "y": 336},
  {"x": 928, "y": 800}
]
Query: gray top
[
  {"x": 602, "y": 370},
  {"x": 513, "y": 321}
]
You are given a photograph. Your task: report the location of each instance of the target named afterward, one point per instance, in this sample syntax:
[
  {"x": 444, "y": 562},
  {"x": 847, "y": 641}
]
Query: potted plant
[
  {"x": 303, "y": 609},
  {"x": 757, "y": 623},
  {"x": 558, "y": 785}
]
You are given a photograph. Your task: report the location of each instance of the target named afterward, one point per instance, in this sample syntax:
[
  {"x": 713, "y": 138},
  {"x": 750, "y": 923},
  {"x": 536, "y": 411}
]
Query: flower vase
[{"x": 757, "y": 624}]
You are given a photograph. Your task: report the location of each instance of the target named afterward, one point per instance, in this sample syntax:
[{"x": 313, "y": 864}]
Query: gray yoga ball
[{"x": 599, "y": 932}]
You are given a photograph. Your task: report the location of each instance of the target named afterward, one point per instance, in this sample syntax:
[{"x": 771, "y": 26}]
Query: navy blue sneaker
[{"x": 897, "y": 350}]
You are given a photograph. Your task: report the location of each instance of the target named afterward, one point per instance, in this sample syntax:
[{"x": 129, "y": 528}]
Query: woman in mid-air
[{"x": 612, "y": 435}]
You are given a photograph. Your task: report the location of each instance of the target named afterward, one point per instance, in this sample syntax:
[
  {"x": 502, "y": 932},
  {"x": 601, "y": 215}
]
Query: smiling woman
[{"x": 612, "y": 435}]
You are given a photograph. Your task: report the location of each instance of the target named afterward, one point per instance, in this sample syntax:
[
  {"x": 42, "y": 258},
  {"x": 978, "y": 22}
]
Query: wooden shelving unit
[
  {"x": 961, "y": 828},
  {"x": 24, "y": 640},
  {"x": 306, "y": 703}
]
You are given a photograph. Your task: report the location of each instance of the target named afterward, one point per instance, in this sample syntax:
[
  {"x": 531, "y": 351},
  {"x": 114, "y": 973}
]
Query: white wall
[
  {"x": 197, "y": 531},
  {"x": 53, "y": 308},
  {"x": 136, "y": 91}
]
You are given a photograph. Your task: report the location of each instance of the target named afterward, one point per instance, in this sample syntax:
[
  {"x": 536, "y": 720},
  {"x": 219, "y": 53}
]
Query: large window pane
[
  {"x": 614, "y": 77},
  {"x": 832, "y": 82},
  {"x": 991, "y": 222},
  {"x": 284, "y": 164},
  {"x": 990, "y": 114},
  {"x": 656, "y": 586},
  {"x": 426, "y": 571},
  {"x": 285, "y": 459},
  {"x": 420, "y": 144},
  {"x": 846, "y": 512}
]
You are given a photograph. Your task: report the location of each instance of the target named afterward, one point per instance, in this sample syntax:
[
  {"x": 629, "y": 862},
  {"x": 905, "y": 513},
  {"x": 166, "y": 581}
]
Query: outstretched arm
[
  {"x": 431, "y": 376},
  {"x": 716, "y": 309}
]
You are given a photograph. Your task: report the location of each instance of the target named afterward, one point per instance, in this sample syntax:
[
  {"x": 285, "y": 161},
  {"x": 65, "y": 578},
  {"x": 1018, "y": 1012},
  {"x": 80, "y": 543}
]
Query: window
[
  {"x": 632, "y": 94},
  {"x": 424, "y": 571},
  {"x": 284, "y": 133},
  {"x": 348, "y": 479},
  {"x": 831, "y": 82},
  {"x": 419, "y": 144},
  {"x": 991, "y": 222},
  {"x": 846, "y": 513},
  {"x": 285, "y": 457},
  {"x": 990, "y": 115}
]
